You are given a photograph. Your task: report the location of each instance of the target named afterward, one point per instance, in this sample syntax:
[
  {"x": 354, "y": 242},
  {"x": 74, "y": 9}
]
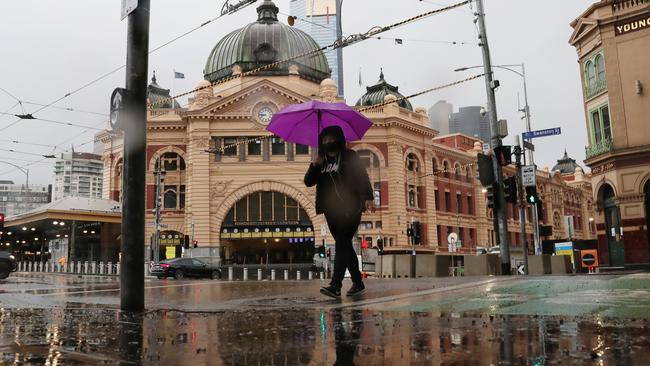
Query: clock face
[{"x": 265, "y": 114}]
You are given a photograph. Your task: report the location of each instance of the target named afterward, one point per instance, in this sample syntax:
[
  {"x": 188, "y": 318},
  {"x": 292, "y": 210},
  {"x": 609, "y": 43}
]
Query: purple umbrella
[{"x": 302, "y": 123}]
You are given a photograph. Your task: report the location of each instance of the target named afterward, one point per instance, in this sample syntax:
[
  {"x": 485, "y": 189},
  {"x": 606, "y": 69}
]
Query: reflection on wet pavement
[
  {"x": 483, "y": 321},
  {"x": 300, "y": 337}
]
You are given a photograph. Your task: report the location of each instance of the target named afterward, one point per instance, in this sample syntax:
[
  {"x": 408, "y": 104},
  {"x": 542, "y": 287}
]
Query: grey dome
[
  {"x": 375, "y": 94},
  {"x": 263, "y": 42}
]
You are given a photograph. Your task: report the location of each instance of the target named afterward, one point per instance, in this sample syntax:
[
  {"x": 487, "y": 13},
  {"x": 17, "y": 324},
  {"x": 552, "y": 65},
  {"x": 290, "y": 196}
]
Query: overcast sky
[{"x": 50, "y": 48}]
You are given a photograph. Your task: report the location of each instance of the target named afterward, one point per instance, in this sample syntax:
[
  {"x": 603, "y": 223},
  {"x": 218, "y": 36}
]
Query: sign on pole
[
  {"x": 529, "y": 146},
  {"x": 451, "y": 240},
  {"x": 486, "y": 148},
  {"x": 128, "y": 6},
  {"x": 528, "y": 175},
  {"x": 542, "y": 133}
]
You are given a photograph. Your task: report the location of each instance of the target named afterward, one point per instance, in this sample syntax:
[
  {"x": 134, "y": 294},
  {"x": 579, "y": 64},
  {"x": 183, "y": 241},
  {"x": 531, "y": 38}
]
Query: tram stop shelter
[{"x": 70, "y": 229}]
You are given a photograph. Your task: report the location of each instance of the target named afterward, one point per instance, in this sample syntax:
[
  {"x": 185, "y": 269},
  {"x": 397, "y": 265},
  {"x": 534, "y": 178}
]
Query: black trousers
[{"x": 343, "y": 228}]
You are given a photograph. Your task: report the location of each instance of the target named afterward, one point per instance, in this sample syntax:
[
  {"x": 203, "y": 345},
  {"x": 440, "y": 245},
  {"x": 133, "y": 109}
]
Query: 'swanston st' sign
[{"x": 632, "y": 25}]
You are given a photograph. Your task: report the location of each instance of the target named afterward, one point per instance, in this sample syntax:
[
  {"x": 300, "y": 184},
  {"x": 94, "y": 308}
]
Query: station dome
[
  {"x": 377, "y": 93},
  {"x": 263, "y": 42}
]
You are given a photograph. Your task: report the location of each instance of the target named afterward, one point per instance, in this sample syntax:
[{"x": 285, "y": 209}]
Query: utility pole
[
  {"x": 520, "y": 193},
  {"x": 339, "y": 51},
  {"x": 159, "y": 180},
  {"x": 135, "y": 143},
  {"x": 491, "y": 85}
]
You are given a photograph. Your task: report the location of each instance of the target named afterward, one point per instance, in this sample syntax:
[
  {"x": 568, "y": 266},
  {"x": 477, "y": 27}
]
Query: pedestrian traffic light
[
  {"x": 328, "y": 253},
  {"x": 409, "y": 232},
  {"x": 321, "y": 251},
  {"x": 380, "y": 245},
  {"x": 489, "y": 191},
  {"x": 531, "y": 195},
  {"x": 540, "y": 210},
  {"x": 510, "y": 189},
  {"x": 485, "y": 170},
  {"x": 417, "y": 232}
]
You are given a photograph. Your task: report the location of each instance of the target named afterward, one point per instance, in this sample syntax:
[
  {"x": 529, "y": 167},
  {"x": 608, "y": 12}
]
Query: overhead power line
[{"x": 31, "y": 116}]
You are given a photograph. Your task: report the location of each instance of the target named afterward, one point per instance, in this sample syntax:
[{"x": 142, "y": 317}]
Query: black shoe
[
  {"x": 331, "y": 291},
  {"x": 357, "y": 289}
]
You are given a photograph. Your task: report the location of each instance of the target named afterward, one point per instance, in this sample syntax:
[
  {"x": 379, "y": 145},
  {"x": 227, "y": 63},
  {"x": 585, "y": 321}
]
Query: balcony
[
  {"x": 599, "y": 148},
  {"x": 596, "y": 88}
]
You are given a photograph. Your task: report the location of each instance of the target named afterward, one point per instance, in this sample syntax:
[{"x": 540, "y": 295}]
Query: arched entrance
[
  {"x": 267, "y": 227},
  {"x": 607, "y": 200}
]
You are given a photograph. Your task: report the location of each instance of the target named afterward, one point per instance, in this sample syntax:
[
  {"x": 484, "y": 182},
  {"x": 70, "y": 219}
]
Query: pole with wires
[
  {"x": 491, "y": 85},
  {"x": 135, "y": 143}
]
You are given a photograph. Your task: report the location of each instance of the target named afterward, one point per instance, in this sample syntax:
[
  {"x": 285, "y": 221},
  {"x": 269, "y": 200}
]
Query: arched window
[
  {"x": 434, "y": 165},
  {"x": 590, "y": 75},
  {"x": 412, "y": 163},
  {"x": 600, "y": 68},
  {"x": 468, "y": 174},
  {"x": 457, "y": 172},
  {"x": 368, "y": 158},
  {"x": 445, "y": 167},
  {"x": 412, "y": 197}
]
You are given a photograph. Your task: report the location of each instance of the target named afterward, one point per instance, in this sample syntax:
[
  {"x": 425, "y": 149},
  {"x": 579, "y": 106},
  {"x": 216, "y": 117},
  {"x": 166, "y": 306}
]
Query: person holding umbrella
[{"x": 343, "y": 190}]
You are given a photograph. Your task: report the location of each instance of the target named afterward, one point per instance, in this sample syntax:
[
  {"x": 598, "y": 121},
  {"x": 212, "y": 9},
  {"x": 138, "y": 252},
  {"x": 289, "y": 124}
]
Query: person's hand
[
  {"x": 370, "y": 205},
  {"x": 318, "y": 160}
]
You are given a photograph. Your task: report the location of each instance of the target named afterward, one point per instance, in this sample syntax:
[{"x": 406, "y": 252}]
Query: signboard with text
[
  {"x": 542, "y": 133},
  {"x": 528, "y": 175}
]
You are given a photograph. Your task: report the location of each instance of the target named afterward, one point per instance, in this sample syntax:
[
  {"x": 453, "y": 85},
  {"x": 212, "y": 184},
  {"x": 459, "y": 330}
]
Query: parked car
[
  {"x": 7, "y": 264},
  {"x": 180, "y": 268}
]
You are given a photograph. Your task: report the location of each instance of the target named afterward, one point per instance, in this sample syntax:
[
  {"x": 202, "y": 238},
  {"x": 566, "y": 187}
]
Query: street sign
[
  {"x": 528, "y": 175},
  {"x": 542, "y": 133},
  {"x": 452, "y": 239},
  {"x": 520, "y": 269},
  {"x": 529, "y": 146},
  {"x": 128, "y": 6},
  {"x": 118, "y": 99},
  {"x": 486, "y": 148}
]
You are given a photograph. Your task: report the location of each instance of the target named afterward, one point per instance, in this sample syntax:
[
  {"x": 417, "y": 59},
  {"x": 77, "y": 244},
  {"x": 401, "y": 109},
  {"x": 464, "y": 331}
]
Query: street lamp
[{"x": 23, "y": 170}]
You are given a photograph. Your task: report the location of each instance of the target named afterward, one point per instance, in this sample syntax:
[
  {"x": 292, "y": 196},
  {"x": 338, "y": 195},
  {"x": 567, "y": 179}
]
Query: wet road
[{"x": 596, "y": 320}]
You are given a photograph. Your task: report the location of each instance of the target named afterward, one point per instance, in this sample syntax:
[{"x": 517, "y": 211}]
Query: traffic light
[
  {"x": 510, "y": 189},
  {"x": 531, "y": 195},
  {"x": 503, "y": 154},
  {"x": 490, "y": 196},
  {"x": 417, "y": 232},
  {"x": 380, "y": 245},
  {"x": 321, "y": 251},
  {"x": 186, "y": 242},
  {"x": 485, "y": 170},
  {"x": 2, "y": 222},
  {"x": 328, "y": 253}
]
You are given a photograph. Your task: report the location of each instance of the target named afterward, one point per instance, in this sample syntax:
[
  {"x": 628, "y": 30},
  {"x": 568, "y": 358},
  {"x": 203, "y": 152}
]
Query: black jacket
[{"x": 354, "y": 184}]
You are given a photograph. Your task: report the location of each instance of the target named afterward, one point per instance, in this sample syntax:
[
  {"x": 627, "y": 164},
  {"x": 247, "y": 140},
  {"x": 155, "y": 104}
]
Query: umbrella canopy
[{"x": 303, "y": 123}]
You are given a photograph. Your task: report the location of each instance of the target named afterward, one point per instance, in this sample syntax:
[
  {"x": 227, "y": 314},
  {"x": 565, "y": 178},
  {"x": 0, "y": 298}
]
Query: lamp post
[
  {"x": 526, "y": 111},
  {"x": 23, "y": 170}
]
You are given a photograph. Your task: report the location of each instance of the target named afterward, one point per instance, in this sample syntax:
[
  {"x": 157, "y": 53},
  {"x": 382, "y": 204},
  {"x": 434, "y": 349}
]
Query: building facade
[
  {"x": 16, "y": 199},
  {"x": 612, "y": 40},
  {"x": 471, "y": 122},
  {"x": 439, "y": 116},
  {"x": 249, "y": 204},
  {"x": 78, "y": 175},
  {"x": 318, "y": 18}
]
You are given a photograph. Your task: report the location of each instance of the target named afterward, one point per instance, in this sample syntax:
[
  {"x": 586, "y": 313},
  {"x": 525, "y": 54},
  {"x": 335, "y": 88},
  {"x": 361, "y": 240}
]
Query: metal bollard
[
  {"x": 79, "y": 267},
  {"x": 311, "y": 275},
  {"x": 117, "y": 269},
  {"x": 272, "y": 275},
  {"x": 259, "y": 274},
  {"x": 93, "y": 267},
  {"x": 245, "y": 274},
  {"x": 230, "y": 273},
  {"x": 109, "y": 268},
  {"x": 298, "y": 275},
  {"x": 86, "y": 267},
  {"x": 101, "y": 268},
  {"x": 29, "y": 266},
  {"x": 322, "y": 276},
  {"x": 286, "y": 274},
  {"x": 40, "y": 266}
]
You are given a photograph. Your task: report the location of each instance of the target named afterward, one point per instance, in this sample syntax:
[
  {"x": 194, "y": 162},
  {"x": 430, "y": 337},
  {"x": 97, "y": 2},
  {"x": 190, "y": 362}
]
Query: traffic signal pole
[
  {"x": 520, "y": 193},
  {"x": 499, "y": 204},
  {"x": 135, "y": 143}
]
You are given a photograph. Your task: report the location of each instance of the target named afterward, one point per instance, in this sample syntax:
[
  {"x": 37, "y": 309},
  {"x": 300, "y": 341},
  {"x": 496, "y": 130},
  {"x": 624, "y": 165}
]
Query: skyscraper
[
  {"x": 469, "y": 121},
  {"x": 319, "y": 18},
  {"x": 439, "y": 116}
]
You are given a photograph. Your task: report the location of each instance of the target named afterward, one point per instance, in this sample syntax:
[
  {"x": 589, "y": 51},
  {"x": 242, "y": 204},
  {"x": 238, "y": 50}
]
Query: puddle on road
[{"x": 315, "y": 337}]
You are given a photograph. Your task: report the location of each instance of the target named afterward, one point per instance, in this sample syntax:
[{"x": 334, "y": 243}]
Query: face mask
[{"x": 330, "y": 147}]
